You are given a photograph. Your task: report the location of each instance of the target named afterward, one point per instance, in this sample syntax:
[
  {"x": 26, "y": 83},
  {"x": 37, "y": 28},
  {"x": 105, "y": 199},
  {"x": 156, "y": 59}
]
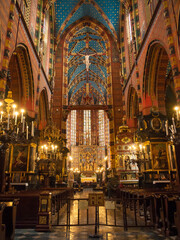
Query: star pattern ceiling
[
  {"x": 83, "y": 83},
  {"x": 104, "y": 11},
  {"x": 87, "y": 58}
]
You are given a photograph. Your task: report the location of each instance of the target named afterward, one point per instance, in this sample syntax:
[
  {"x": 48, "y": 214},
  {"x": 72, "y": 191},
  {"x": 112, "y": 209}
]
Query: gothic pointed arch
[
  {"x": 132, "y": 106},
  {"x": 43, "y": 109},
  {"x": 20, "y": 78},
  {"x": 156, "y": 72}
]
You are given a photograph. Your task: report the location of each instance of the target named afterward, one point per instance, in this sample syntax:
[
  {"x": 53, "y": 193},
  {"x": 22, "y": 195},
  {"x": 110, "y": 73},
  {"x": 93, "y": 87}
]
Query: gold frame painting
[
  {"x": 159, "y": 154},
  {"x": 20, "y": 158}
]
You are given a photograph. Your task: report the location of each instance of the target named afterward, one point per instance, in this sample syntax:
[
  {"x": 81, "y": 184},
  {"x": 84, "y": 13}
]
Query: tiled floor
[
  {"x": 87, "y": 232},
  {"x": 83, "y": 233}
]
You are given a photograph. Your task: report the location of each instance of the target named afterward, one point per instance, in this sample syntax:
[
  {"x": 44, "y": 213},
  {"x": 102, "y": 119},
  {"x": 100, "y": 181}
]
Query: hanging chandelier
[{"x": 13, "y": 121}]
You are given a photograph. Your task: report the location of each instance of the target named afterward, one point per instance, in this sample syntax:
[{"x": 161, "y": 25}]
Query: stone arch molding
[
  {"x": 21, "y": 79},
  {"x": 156, "y": 67}
]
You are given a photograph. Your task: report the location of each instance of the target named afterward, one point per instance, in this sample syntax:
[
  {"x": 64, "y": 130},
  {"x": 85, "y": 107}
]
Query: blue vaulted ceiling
[
  {"x": 78, "y": 76},
  {"x": 87, "y": 86},
  {"x": 102, "y": 11}
]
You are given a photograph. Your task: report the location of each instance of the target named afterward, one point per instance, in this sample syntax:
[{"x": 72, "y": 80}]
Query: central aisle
[{"x": 83, "y": 232}]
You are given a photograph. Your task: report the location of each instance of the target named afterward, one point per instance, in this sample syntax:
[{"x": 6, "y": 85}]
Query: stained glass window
[
  {"x": 73, "y": 127},
  {"x": 101, "y": 128},
  {"x": 87, "y": 127}
]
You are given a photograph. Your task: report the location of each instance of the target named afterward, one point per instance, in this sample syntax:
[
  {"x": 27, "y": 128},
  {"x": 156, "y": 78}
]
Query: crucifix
[{"x": 86, "y": 55}]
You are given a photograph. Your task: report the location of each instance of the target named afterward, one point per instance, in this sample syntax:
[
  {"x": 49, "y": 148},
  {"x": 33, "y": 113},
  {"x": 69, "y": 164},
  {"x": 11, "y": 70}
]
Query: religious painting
[
  {"x": 32, "y": 157},
  {"x": 8, "y": 158},
  {"x": 120, "y": 157},
  {"x": 156, "y": 124},
  {"x": 20, "y": 158},
  {"x": 159, "y": 156}
]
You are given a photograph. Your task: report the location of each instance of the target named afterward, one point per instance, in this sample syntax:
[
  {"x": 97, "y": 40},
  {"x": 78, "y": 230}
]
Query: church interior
[{"x": 89, "y": 119}]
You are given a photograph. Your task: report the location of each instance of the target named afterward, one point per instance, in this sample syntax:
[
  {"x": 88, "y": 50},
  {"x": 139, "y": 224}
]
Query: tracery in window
[
  {"x": 129, "y": 28},
  {"x": 101, "y": 128},
  {"x": 87, "y": 127},
  {"x": 28, "y": 12},
  {"x": 73, "y": 127},
  {"x": 129, "y": 36}
]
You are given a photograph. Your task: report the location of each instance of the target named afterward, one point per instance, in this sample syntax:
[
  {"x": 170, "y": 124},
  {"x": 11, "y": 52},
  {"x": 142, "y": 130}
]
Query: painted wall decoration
[
  {"x": 104, "y": 11},
  {"x": 87, "y": 66}
]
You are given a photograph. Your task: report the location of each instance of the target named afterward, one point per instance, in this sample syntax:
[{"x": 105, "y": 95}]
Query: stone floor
[
  {"x": 88, "y": 232},
  {"x": 83, "y": 233}
]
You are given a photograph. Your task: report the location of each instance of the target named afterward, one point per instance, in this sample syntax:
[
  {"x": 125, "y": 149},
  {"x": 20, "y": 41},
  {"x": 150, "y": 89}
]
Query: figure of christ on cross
[{"x": 86, "y": 55}]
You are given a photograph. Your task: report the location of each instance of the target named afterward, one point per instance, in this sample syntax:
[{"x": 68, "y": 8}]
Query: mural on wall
[{"x": 20, "y": 158}]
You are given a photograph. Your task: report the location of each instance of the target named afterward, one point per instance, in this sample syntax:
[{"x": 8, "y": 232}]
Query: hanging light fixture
[
  {"x": 173, "y": 127},
  {"x": 12, "y": 119}
]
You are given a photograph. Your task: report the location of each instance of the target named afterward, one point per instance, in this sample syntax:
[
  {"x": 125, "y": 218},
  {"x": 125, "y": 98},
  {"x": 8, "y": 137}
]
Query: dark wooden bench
[
  {"x": 9, "y": 216},
  {"x": 2, "y": 225}
]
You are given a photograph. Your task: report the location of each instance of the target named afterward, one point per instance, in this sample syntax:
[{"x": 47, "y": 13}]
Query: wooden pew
[
  {"x": 2, "y": 225},
  {"x": 9, "y": 217}
]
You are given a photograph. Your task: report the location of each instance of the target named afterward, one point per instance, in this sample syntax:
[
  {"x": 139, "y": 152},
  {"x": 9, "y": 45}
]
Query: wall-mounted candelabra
[
  {"x": 14, "y": 128},
  {"x": 13, "y": 122},
  {"x": 173, "y": 126},
  {"x": 48, "y": 163},
  {"x": 138, "y": 158}
]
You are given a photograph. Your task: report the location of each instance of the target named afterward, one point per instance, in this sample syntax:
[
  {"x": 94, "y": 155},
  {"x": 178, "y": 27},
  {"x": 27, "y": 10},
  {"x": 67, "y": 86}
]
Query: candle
[
  {"x": 16, "y": 113},
  {"x": 166, "y": 127},
  {"x": 14, "y": 107},
  {"x": 177, "y": 112},
  {"x": 174, "y": 126},
  {"x": 8, "y": 122},
  {"x": 23, "y": 124},
  {"x": 140, "y": 148},
  {"x": 1, "y": 116},
  {"x": 27, "y": 132},
  {"x": 32, "y": 129},
  {"x": 22, "y": 111}
]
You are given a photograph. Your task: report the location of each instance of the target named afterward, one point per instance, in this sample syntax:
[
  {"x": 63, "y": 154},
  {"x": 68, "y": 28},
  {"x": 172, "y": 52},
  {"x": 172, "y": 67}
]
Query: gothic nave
[{"x": 89, "y": 119}]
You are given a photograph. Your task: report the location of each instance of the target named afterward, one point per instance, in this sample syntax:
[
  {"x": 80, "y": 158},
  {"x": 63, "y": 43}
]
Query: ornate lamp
[
  {"x": 12, "y": 122},
  {"x": 173, "y": 127},
  {"x": 13, "y": 129}
]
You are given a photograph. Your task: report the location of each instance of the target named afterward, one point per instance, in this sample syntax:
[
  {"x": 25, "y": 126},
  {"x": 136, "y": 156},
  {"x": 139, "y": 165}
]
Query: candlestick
[
  {"x": 8, "y": 122},
  {"x": 14, "y": 107},
  {"x": 23, "y": 122},
  {"x": 177, "y": 112},
  {"x": 32, "y": 129},
  {"x": 17, "y": 130},
  {"x": 166, "y": 127},
  {"x": 16, "y": 113},
  {"x": 27, "y": 132},
  {"x": 22, "y": 117},
  {"x": 1, "y": 116},
  {"x": 174, "y": 126}
]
